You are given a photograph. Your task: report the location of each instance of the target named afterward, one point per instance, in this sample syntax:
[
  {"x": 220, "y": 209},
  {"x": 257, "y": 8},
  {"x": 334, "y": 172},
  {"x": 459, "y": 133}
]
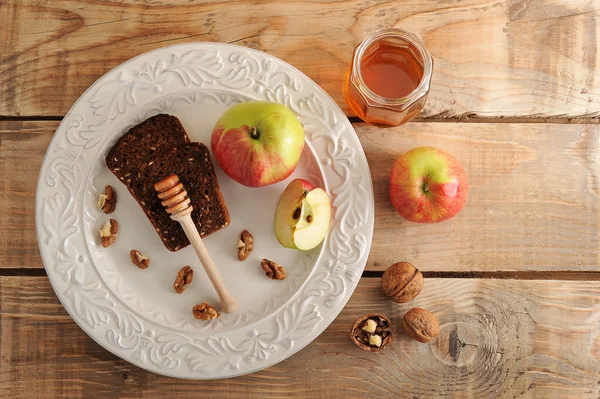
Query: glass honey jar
[{"x": 389, "y": 78}]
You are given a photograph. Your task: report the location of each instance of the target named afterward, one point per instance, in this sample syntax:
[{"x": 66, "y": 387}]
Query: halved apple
[{"x": 303, "y": 216}]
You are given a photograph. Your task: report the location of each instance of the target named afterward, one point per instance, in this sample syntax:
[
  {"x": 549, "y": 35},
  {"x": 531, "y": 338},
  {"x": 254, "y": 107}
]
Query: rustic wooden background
[{"x": 513, "y": 278}]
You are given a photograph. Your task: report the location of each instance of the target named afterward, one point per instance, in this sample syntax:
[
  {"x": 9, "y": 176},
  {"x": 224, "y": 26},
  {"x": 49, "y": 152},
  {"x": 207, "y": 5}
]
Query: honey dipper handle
[{"x": 228, "y": 304}]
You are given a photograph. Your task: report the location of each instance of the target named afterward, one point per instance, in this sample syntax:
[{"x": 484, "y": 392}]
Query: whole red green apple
[
  {"x": 258, "y": 143},
  {"x": 428, "y": 185}
]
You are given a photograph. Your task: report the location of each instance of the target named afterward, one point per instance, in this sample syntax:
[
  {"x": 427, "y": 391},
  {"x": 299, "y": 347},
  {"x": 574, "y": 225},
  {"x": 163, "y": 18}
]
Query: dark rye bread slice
[
  {"x": 192, "y": 165},
  {"x": 158, "y": 133},
  {"x": 191, "y": 162}
]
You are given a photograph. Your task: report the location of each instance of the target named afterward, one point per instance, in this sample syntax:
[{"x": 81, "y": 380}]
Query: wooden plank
[
  {"x": 22, "y": 149},
  {"x": 499, "y": 338},
  {"x": 533, "y": 58},
  {"x": 533, "y": 198},
  {"x": 533, "y": 201}
]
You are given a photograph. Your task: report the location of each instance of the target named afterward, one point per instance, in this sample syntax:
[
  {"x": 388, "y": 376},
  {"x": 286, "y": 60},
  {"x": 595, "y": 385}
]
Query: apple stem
[
  {"x": 425, "y": 187},
  {"x": 254, "y": 133}
]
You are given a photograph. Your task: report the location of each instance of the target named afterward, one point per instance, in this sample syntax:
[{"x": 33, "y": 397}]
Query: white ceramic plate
[{"x": 135, "y": 313}]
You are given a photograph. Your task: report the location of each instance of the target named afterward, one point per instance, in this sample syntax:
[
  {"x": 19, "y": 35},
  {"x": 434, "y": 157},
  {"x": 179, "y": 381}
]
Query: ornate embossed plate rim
[{"x": 321, "y": 298}]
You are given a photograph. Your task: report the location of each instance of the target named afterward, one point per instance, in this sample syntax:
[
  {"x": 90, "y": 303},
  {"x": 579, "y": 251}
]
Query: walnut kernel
[
  {"x": 183, "y": 279},
  {"x": 205, "y": 312},
  {"x": 369, "y": 326},
  {"x": 108, "y": 232},
  {"x": 375, "y": 340},
  {"x": 245, "y": 245},
  {"x": 108, "y": 200},
  {"x": 138, "y": 259},
  {"x": 272, "y": 269}
]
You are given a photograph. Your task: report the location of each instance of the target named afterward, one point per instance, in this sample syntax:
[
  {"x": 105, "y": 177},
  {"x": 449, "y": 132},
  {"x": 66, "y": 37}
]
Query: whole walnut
[
  {"x": 402, "y": 282},
  {"x": 421, "y": 325}
]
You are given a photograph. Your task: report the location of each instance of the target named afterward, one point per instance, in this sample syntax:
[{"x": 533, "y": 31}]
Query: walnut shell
[
  {"x": 421, "y": 325},
  {"x": 402, "y": 282},
  {"x": 364, "y": 338}
]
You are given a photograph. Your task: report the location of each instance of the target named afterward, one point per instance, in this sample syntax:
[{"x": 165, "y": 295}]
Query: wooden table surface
[{"x": 513, "y": 278}]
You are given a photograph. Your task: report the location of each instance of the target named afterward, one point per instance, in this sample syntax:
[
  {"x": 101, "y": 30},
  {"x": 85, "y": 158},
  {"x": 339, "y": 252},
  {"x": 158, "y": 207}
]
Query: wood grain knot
[{"x": 459, "y": 343}]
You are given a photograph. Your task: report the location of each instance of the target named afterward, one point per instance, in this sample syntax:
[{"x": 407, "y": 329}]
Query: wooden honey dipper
[{"x": 175, "y": 199}]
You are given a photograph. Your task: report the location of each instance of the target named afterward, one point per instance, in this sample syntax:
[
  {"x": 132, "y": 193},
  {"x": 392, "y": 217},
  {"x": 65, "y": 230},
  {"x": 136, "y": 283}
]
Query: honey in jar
[{"x": 389, "y": 78}]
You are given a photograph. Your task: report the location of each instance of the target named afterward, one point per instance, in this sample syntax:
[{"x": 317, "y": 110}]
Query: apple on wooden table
[
  {"x": 303, "y": 216},
  {"x": 258, "y": 143},
  {"x": 428, "y": 185}
]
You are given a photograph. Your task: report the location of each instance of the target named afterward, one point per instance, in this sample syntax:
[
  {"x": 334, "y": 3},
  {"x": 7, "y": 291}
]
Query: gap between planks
[
  {"x": 465, "y": 118},
  {"x": 502, "y": 275},
  {"x": 505, "y": 275}
]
